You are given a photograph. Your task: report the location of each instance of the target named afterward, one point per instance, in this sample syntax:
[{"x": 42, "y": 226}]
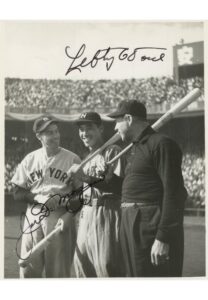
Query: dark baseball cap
[
  {"x": 42, "y": 123},
  {"x": 89, "y": 117},
  {"x": 131, "y": 107}
]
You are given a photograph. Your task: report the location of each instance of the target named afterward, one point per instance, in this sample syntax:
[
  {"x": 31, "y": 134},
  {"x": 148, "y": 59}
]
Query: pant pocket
[{"x": 148, "y": 224}]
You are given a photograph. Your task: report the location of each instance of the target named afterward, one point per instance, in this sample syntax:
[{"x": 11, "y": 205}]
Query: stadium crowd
[
  {"x": 193, "y": 168},
  {"x": 15, "y": 149},
  {"x": 42, "y": 95}
]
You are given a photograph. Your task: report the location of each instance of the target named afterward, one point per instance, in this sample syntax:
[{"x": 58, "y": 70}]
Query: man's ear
[
  {"x": 129, "y": 119},
  {"x": 38, "y": 136},
  {"x": 101, "y": 128}
]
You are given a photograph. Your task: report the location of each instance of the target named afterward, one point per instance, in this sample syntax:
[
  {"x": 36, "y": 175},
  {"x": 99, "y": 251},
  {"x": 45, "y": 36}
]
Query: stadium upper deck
[{"x": 67, "y": 96}]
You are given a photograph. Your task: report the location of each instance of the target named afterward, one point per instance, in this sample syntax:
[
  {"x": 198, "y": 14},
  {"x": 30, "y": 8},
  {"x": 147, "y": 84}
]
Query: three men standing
[{"x": 142, "y": 213}]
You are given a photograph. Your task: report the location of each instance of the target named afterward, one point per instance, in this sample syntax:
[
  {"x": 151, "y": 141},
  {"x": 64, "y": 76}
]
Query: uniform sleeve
[
  {"x": 76, "y": 160},
  {"x": 20, "y": 176},
  {"x": 77, "y": 183},
  {"x": 114, "y": 177},
  {"x": 21, "y": 194},
  {"x": 167, "y": 159},
  {"x": 118, "y": 166}
]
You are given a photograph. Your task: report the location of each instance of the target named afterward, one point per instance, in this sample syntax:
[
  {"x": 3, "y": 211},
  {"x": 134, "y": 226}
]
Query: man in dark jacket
[{"x": 153, "y": 196}]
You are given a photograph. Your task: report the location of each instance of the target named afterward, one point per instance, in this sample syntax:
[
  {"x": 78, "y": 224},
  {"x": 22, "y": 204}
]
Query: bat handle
[
  {"x": 119, "y": 154},
  {"x": 115, "y": 138},
  {"x": 38, "y": 247}
]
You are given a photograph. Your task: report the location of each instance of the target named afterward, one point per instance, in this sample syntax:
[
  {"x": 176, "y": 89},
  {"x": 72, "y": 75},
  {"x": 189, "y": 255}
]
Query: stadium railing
[
  {"x": 153, "y": 109},
  {"x": 198, "y": 212}
]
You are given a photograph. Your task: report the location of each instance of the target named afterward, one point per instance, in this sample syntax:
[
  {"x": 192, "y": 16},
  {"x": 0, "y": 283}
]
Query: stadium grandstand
[
  {"x": 67, "y": 96},
  {"x": 26, "y": 99}
]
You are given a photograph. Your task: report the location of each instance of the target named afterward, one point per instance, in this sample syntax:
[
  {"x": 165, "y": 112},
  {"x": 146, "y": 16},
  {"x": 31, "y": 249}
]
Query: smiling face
[
  {"x": 91, "y": 135},
  {"x": 50, "y": 137}
]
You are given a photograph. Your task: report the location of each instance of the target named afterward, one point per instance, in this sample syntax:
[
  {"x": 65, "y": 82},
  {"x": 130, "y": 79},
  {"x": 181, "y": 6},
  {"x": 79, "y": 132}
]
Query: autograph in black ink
[
  {"x": 42, "y": 211},
  {"x": 108, "y": 56}
]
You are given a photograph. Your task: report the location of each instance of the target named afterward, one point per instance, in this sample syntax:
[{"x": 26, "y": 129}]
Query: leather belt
[
  {"x": 138, "y": 204},
  {"x": 103, "y": 202}
]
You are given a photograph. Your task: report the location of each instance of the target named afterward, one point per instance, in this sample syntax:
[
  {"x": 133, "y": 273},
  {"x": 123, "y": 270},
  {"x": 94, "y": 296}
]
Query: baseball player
[
  {"x": 40, "y": 179},
  {"x": 153, "y": 197},
  {"x": 97, "y": 252}
]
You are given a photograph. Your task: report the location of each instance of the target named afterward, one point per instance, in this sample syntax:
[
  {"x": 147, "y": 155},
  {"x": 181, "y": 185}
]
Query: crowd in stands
[
  {"x": 10, "y": 166},
  {"x": 43, "y": 95},
  {"x": 193, "y": 168},
  {"x": 15, "y": 149},
  {"x": 67, "y": 95}
]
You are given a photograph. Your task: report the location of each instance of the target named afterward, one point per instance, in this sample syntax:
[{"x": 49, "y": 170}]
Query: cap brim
[
  {"x": 81, "y": 122},
  {"x": 115, "y": 115},
  {"x": 46, "y": 125}
]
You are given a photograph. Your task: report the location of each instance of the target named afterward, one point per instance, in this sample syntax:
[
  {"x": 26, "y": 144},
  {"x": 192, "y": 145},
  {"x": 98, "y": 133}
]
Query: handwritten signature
[
  {"x": 41, "y": 211},
  {"x": 107, "y": 56}
]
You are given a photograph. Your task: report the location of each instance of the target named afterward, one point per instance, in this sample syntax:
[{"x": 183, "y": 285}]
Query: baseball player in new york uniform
[
  {"x": 40, "y": 175},
  {"x": 97, "y": 252}
]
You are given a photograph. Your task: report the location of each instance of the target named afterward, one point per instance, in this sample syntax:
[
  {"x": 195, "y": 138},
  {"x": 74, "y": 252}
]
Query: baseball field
[{"x": 194, "y": 258}]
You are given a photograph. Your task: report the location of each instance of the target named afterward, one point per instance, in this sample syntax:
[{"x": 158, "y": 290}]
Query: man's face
[
  {"x": 90, "y": 134},
  {"x": 50, "y": 137},
  {"x": 122, "y": 126}
]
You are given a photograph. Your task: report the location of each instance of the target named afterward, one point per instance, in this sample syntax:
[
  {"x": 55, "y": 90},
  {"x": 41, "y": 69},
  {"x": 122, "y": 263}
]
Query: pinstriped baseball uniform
[
  {"x": 45, "y": 175},
  {"x": 97, "y": 252}
]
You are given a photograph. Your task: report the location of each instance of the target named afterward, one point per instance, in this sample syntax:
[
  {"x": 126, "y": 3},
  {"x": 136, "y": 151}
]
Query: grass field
[{"x": 194, "y": 259}]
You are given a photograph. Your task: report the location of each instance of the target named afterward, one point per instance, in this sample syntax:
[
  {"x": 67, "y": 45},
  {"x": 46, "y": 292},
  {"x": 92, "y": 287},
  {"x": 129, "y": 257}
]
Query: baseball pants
[
  {"x": 137, "y": 234},
  {"x": 56, "y": 260},
  {"x": 98, "y": 252}
]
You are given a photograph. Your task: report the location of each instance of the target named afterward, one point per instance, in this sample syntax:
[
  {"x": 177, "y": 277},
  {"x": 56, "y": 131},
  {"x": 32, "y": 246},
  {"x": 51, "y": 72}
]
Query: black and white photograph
[{"x": 104, "y": 149}]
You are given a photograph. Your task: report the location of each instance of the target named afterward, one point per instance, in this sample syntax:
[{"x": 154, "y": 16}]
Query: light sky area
[{"x": 37, "y": 49}]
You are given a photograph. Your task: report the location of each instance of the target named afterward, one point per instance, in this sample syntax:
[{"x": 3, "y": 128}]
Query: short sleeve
[
  {"x": 20, "y": 176},
  {"x": 119, "y": 165},
  {"x": 76, "y": 160},
  {"x": 76, "y": 182}
]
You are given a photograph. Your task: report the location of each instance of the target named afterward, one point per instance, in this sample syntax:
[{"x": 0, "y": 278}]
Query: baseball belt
[
  {"x": 138, "y": 204},
  {"x": 103, "y": 202}
]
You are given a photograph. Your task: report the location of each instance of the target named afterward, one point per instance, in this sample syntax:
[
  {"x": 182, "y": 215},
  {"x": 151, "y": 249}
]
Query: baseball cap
[
  {"x": 89, "y": 117},
  {"x": 42, "y": 123},
  {"x": 131, "y": 107}
]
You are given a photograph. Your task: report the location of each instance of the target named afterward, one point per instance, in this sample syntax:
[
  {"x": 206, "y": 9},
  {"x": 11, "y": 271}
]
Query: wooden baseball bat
[
  {"x": 115, "y": 138},
  {"x": 38, "y": 248},
  {"x": 184, "y": 102}
]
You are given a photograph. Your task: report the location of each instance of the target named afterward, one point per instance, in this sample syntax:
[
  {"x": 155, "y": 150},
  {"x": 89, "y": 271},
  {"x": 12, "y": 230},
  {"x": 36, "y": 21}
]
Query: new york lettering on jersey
[
  {"x": 54, "y": 173},
  {"x": 40, "y": 173}
]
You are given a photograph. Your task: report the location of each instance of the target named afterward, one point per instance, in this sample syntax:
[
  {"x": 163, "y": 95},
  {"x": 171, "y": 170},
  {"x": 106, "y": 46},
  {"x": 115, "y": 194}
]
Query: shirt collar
[{"x": 144, "y": 135}]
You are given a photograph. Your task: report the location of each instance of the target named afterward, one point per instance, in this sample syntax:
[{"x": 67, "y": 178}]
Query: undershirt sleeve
[{"x": 21, "y": 194}]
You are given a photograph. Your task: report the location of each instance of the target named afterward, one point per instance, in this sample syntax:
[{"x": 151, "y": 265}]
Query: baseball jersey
[
  {"x": 45, "y": 175},
  {"x": 117, "y": 169}
]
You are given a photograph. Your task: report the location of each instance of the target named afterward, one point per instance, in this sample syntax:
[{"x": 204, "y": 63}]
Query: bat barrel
[
  {"x": 38, "y": 248},
  {"x": 188, "y": 99},
  {"x": 192, "y": 96}
]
